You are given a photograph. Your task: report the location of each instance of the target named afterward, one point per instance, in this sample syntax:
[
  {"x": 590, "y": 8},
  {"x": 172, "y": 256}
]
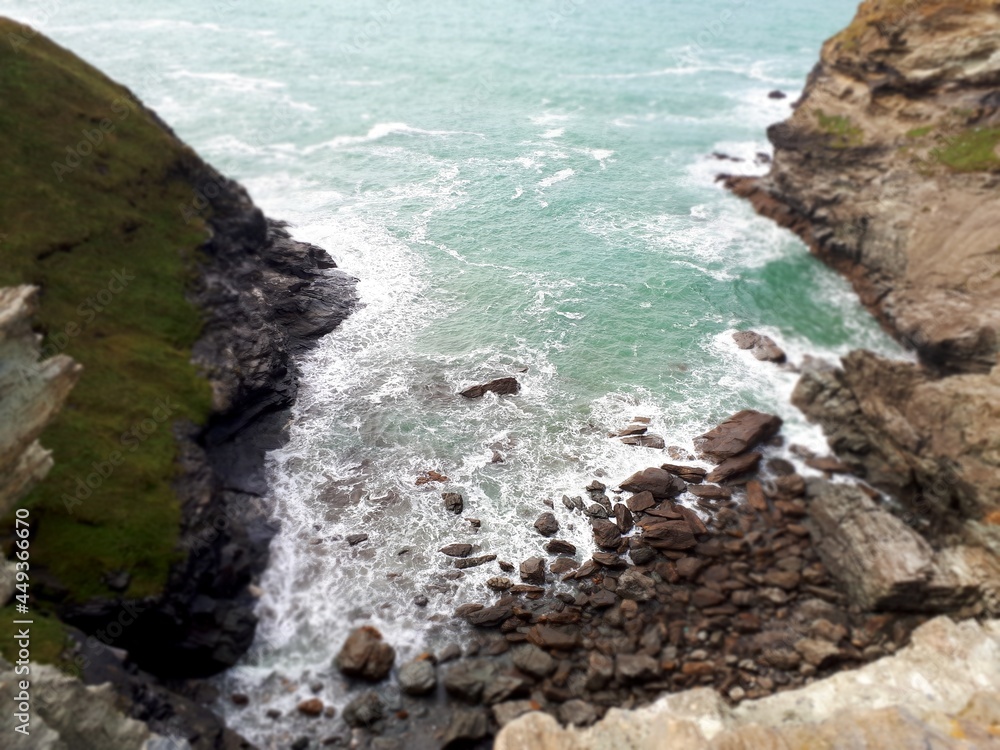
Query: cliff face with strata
[{"x": 889, "y": 169}]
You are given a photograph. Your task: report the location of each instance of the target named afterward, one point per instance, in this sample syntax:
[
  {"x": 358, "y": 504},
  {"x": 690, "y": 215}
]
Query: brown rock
[
  {"x": 733, "y": 468},
  {"x": 489, "y": 617},
  {"x": 738, "y": 434},
  {"x": 785, "y": 579},
  {"x": 755, "y": 496},
  {"x": 688, "y": 567},
  {"x": 817, "y": 652},
  {"x": 554, "y": 637},
  {"x": 311, "y": 707},
  {"x": 533, "y": 570},
  {"x": 456, "y": 550},
  {"x": 547, "y": 525},
  {"x": 661, "y": 484},
  {"x": 636, "y": 668},
  {"x": 762, "y": 347},
  {"x": 606, "y": 534},
  {"x": 710, "y": 491},
  {"x": 453, "y": 502},
  {"x": 673, "y": 535},
  {"x": 640, "y": 501},
  {"x": 623, "y": 517},
  {"x": 365, "y": 655},
  {"x": 703, "y": 597},
  {"x": 609, "y": 560},
  {"x": 560, "y": 547},
  {"x": 500, "y": 386},
  {"x": 649, "y": 440},
  {"x": 690, "y": 474},
  {"x": 632, "y": 429},
  {"x": 431, "y": 476},
  {"x": 562, "y": 565},
  {"x": 499, "y": 583},
  {"x": 829, "y": 464}
]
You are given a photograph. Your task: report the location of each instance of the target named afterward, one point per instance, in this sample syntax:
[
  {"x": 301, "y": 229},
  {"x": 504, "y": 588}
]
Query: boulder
[
  {"x": 364, "y": 710},
  {"x": 533, "y": 661},
  {"x": 417, "y": 677},
  {"x": 578, "y": 713},
  {"x": 596, "y": 510},
  {"x": 453, "y": 502},
  {"x": 474, "y": 562},
  {"x": 499, "y": 583},
  {"x": 456, "y": 550},
  {"x": 554, "y": 636},
  {"x": 468, "y": 678},
  {"x": 738, "y": 434},
  {"x": 690, "y": 474},
  {"x": 489, "y": 617},
  {"x": 623, "y": 518},
  {"x": 648, "y": 440},
  {"x": 533, "y": 570},
  {"x": 466, "y": 726},
  {"x": 563, "y": 565},
  {"x": 733, "y": 469},
  {"x": 762, "y": 347},
  {"x": 560, "y": 547},
  {"x": 661, "y": 484},
  {"x": 710, "y": 491},
  {"x": 606, "y": 534},
  {"x": 500, "y": 386},
  {"x": 365, "y": 655},
  {"x": 634, "y": 585},
  {"x": 547, "y": 525},
  {"x": 632, "y": 429},
  {"x": 669, "y": 535},
  {"x": 640, "y": 501}
]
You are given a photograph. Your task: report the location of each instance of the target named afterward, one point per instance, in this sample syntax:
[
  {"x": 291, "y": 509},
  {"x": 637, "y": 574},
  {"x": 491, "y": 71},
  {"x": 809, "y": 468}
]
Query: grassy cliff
[{"x": 91, "y": 211}]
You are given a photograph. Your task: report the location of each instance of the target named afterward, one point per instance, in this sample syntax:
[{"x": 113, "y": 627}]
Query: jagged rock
[
  {"x": 473, "y": 562},
  {"x": 533, "y": 661},
  {"x": 417, "y": 677},
  {"x": 560, "y": 547},
  {"x": 365, "y": 655},
  {"x": 669, "y": 535},
  {"x": 623, "y": 518},
  {"x": 500, "y": 386},
  {"x": 734, "y": 468},
  {"x": 554, "y": 637},
  {"x": 466, "y": 725},
  {"x": 640, "y": 501},
  {"x": 453, "y": 502},
  {"x": 469, "y": 677},
  {"x": 456, "y": 550},
  {"x": 533, "y": 570},
  {"x": 489, "y": 617},
  {"x": 690, "y": 474},
  {"x": 648, "y": 440},
  {"x": 660, "y": 484},
  {"x": 365, "y": 710},
  {"x": 762, "y": 347},
  {"x": 355, "y": 539},
  {"x": 606, "y": 534},
  {"x": 547, "y": 525},
  {"x": 634, "y": 585},
  {"x": 738, "y": 434},
  {"x": 499, "y": 583}
]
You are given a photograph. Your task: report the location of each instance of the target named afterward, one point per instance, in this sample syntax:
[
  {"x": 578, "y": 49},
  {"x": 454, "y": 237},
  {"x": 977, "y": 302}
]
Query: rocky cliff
[{"x": 889, "y": 169}]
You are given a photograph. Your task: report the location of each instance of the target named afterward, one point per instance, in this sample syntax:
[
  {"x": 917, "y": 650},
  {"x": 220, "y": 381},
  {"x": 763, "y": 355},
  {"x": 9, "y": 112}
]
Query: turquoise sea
[{"x": 516, "y": 185}]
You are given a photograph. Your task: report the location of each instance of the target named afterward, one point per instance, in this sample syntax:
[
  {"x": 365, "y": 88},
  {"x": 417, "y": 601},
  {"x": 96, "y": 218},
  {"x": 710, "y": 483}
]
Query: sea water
[{"x": 522, "y": 188}]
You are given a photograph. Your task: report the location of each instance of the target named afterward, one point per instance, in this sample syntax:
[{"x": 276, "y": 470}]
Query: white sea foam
[
  {"x": 561, "y": 175},
  {"x": 382, "y": 130}
]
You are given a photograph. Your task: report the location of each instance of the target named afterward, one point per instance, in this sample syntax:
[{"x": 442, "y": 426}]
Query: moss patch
[
  {"x": 49, "y": 639},
  {"x": 919, "y": 132},
  {"x": 973, "y": 150},
  {"x": 843, "y": 133},
  {"x": 91, "y": 212}
]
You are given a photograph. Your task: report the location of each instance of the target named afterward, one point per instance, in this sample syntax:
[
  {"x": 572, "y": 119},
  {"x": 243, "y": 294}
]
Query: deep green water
[{"x": 516, "y": 185}]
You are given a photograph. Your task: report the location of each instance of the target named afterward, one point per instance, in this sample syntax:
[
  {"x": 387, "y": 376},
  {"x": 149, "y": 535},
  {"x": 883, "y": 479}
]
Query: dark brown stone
[
  {"x": 547, "y": 525},
  {"x": 662, "y": 484},
  {"x": 733, "y": 468},
  {"x": 473, "y": 562},
  {"x": 489, "y": 617},
  {"x": 674, "y": 535},
  {"x": 533, "y": 570},
  {"x": 710, "y": 491},
  {"x": 740, "y": 433},
  {"x": 365, "y": 655},
  {"x": 560, "y": 547},
  {"x": 456, "y": 550},
  {"x": 623, "y": 517},
  {"x": 606, "y": 534},
  {"x": 640, "y": 501},
  {"x": 500, "y": 386}
]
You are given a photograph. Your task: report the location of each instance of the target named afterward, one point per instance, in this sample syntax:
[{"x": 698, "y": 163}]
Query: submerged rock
[{"x": 500, "y": 386}]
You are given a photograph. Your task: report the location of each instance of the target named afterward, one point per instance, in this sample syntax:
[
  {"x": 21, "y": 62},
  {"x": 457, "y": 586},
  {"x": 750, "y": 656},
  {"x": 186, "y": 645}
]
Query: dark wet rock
[
  {"x": 465, "y": 610},
  {"x": 623, "y": 517},
  {"x": 474, "y": 562},
  {"x": 575, "y": 502},
  {"x": 734, "y": 468},
  {"x": 453, "y": 502},
  {"x": 527, "y": 588},
  {"x": 468, "y": 678},
  {"x": 705, "y": 597},
  {"x": 505, "y": 566},
  {"x": 669, "y": 535},
  {"x": 609, "y": 560},
  {"x": 365, "y": 655},
  {"x": 828, "y": 464},
  {"x": 596, "y": 510},
  {"x": 500, "y": 386},
  {"x": 426, "y": 477},
  {"x": 449, "y": 653},
  {"x": 632, "y": 429},
  {"x": 636, "y": 667},
  {"x": 503, "y": 688},
  {"x": 466, "y": 726},
  {"x": 585, "y": 571},
  {"x": 560, "y": 547},
  {"x": 563, "y": 565},
  {"x": 741, "y": 432},
  {"x": 661, "y": 484},
  {"x": 642, "y": 555},
  {"x": 755, "y": 496},
  {"x": 777, "y": 94},
  {"x": 690, "y": 474},
  {"x": 364, "y": 710},
  {"x": 499, "y": 583},
  {"x": 456, "y": 550},
  {"x": 634, "y": 585},
  {"x": 418, "y": 677},
  {"x": 606, "y": 534},
  {"x": 554, "y": 636},
  {"x": 596, "y": 486},
  {"x": 640, "y": 501},
  {"x": 762, "y": 347},
  {"x": 489, "y": 617},
  {"x": 533, "y": 570},
  {"x": 533, "y": 661},
  {"x": 547, "y": 525},
  {"x": 710, "y": 491},
  {"x": 648, "y": 440},
  {"x": 603, "y": 598},
  {"x": 577, "y": 713},
  {"x": 688, "y": 567},
  {"x": 354, "y": 539}
]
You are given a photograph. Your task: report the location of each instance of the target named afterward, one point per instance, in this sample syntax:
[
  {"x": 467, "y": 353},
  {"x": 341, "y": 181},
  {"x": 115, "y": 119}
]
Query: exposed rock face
[
  {"x": 31, "y": 393},
  {"x": 888, "y": 169},
  {"x": 365, "y": 655},
  {"x": 741, "y": 432},
  {"x": 500, "y": 386},
  {"x": 942, "y": 691}
]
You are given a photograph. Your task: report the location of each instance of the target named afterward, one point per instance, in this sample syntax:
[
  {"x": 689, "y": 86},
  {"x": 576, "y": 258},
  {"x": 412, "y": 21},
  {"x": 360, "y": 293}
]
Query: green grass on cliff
[
  {"x": 90, "y": 212},
  {"x": 843, "y": 133},
  {"x": 972, "y": 150}
]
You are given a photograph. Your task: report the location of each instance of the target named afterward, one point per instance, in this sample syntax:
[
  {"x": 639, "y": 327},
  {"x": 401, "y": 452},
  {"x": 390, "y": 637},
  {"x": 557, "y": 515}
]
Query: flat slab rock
[
  {"x": 741, "y": 432},
  {"x": 654, "y": 480},
  {"x": 500, "y": 386}
]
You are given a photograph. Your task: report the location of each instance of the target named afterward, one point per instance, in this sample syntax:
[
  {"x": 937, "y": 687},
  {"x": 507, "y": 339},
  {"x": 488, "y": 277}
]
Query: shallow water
[{"x": 517, "y": 185}]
